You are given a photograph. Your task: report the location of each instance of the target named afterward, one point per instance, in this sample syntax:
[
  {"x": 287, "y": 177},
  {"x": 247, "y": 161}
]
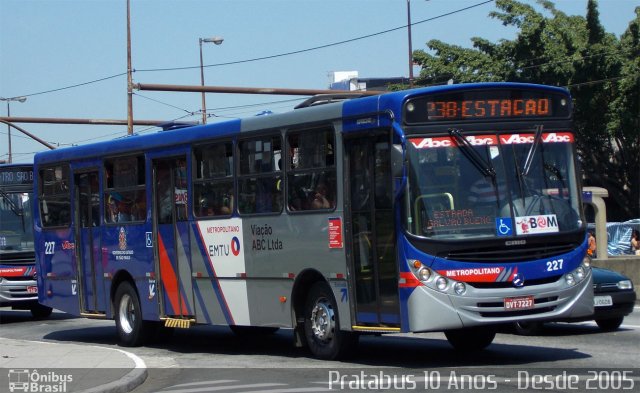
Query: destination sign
[
  {"x": 486, "y": 105},
  {"x": 16, "y": 175}
]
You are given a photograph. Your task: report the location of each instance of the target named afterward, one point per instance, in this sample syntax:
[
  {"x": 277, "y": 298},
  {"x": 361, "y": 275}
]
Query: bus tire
[
  {"x": 609, "y": 324},
  {"x": 471, "y": 339},
  {"x": 40, "y": 312},
  {"x": 132, "y": 330},
  {"x": 526, "y": 328},
  {"x": 322, "y": 325}
]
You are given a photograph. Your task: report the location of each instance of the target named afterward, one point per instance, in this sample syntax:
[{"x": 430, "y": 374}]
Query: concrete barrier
[{"x": 629, "y": 265}]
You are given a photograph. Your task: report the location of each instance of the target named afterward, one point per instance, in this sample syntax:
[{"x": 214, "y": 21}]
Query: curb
[
  {"x": 127, "y": 383},
  {"x": 133, "y": 367}
]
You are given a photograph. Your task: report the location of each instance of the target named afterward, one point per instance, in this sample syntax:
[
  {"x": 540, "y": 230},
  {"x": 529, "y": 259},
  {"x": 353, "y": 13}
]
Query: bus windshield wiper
[
  {"x": 12, "y": 205},
  {"x": 537, "y": 138},
  {"x": 467, "y": 149}
]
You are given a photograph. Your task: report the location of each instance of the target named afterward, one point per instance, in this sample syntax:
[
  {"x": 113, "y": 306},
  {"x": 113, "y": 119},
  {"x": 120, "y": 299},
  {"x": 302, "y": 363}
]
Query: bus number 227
[
  {"x": 49, "y": 247},
  {"x": 554, "y": 265}
]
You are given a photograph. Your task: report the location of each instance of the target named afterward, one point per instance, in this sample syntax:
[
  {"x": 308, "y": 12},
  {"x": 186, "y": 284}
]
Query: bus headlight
[
  {"x": 586, "y": 261},
  {"x": 570, "y": 279},
  {"x": 460, "y": 288},
  {"x": 424, "y": 274},
  {"x": 441, "y": 283},
  {"x": 580, "y": 273}
]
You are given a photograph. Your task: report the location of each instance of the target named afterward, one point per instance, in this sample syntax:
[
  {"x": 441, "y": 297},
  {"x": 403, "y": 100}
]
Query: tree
[{"x": 601, "y": 71}]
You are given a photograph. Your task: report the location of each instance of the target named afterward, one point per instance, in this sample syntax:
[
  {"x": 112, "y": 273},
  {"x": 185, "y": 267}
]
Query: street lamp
[
  {"x": 216, "y": 40},
  {"x": 410, "y": 46},
  {"x": 19, "y": 99}
]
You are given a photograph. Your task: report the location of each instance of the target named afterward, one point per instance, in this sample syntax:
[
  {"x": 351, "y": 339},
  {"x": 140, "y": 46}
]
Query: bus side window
[
  {"x": 213, "y": 184},
  {"x": 55, "y": 198},
  {"x": 311, "y": 175},
  {"x": 124, "y": 194},
  {"x": 260, "y": 178}
]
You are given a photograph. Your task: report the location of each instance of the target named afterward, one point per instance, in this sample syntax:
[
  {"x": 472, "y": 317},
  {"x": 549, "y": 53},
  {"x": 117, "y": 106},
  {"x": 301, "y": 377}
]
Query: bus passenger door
[
  {"x": 371, "y": 228},
  {"x": 171, "y": 237},
  {"x": 88, "y": 243}
]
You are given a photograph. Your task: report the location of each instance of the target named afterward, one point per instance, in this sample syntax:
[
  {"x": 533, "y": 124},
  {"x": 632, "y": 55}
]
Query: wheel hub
[
  {"x": 126, "y": 314},
  {"x": 322, "y": 320}
]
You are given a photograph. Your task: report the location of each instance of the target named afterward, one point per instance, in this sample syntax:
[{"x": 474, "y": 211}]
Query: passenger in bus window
[
  {"x": 112, "y": 210},
  {"x": 139, "y": 208},
  {"x": 320, "y": 198},
  {"x": 227, "y": 203},
  {"x": 124, "y": 211}
]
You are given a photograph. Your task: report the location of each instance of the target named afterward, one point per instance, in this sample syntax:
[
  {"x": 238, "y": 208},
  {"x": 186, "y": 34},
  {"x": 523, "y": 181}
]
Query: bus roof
[{"x": 389, "y": 101}]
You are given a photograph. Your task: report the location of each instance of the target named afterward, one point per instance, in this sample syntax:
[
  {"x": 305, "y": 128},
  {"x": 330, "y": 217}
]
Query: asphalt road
[{"x": 214, "y": 359}]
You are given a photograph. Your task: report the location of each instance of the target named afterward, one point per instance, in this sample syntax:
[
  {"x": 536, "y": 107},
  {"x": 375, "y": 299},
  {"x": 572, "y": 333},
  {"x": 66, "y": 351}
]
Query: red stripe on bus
[
  {"x": 410, "y": 281},
  {"x": 168, "y": 276}
]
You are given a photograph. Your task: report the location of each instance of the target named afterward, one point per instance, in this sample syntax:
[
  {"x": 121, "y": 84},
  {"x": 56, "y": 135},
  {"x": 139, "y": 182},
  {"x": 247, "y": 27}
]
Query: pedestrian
[
  {"x": 592, "y": 245},
  {"x": 635, "y": 242}
]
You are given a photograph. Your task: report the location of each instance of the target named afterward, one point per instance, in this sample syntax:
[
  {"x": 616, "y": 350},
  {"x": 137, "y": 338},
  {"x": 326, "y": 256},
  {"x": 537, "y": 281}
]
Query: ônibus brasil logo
[{"x": 33, "y": 381}]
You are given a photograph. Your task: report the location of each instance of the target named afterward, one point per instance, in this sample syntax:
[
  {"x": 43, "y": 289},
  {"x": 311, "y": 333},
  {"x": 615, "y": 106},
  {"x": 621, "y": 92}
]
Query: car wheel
[
  {"x": 39, "y": 311},
  {"x": 322, "y": 325},
  {"x": 526, "y": 328},
  {"x": 609, "y": 324},
  {"x": 132, "y": 330},
  {"x": 469, "y": 340}
]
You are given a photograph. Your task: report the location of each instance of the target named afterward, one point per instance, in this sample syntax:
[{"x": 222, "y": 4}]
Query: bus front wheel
[
  {"x": 322, "y": 325},
  {"x": 471, "y": 339},
  {"x": 132, "y": 330}
]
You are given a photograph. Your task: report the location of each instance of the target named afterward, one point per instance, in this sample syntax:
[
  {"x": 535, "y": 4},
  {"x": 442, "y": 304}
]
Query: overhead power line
[
  {"x": 265, "y": 57},
  {"x": 76, "y": 85},
  {"x": 319, "y": 46}
]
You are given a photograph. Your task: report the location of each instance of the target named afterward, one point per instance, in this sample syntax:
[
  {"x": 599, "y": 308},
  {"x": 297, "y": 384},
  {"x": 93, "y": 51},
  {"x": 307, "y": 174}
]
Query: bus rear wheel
[
  {"x": 132, "y": 330},
  {"x": 322, "y": 325},
  {"x": 471, "y": 339}
]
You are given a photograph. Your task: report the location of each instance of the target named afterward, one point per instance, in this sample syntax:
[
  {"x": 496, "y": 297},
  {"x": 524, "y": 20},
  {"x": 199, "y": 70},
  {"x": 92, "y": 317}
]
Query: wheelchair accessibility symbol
[{"x": 504, "y": 227}]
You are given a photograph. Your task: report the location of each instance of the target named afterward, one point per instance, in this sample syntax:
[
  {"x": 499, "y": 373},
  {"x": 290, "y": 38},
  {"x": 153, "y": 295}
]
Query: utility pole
[
  {"x": 129, "y": 78},
  {"x": 410, "y": 45}
]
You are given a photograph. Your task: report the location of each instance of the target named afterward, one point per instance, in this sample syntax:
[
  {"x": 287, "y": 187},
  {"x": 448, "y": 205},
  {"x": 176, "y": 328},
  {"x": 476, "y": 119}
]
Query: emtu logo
[{"x": 235, "y": 246}]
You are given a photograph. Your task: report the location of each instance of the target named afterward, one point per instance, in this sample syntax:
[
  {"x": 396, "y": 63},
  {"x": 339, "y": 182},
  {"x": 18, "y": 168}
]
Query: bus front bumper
[{"x": 431, "y": 310}]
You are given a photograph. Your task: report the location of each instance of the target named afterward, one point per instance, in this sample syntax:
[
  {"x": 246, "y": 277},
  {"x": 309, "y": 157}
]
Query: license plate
[
  {"x": 602, "y": 301},
  {"x": 518, "y": 303},
  {"x": 32, "y": 289}
]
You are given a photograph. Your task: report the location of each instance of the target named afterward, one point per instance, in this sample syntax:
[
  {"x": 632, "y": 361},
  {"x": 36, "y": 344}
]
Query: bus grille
[
  {"x": 509, "y": 284},
  {"x": 509, "y": 255},
  {"x": 18, "y": 258}
]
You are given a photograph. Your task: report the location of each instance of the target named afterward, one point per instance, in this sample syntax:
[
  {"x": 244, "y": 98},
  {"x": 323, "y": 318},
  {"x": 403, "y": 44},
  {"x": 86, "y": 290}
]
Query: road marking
[
  {"x": 218, "y": 388},
  {"x": 292, "y": 390},
  {"x": 203, "y": 383}
]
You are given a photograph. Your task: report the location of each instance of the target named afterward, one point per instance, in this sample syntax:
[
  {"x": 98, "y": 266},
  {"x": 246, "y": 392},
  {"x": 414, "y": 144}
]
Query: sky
[{"x": 47, "y": 46}]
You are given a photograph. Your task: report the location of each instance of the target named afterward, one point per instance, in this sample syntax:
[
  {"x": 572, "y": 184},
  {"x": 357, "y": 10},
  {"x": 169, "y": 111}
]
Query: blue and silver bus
[
  {"x": 18, "y": 288},
  {"x": 451, "y": 208}
]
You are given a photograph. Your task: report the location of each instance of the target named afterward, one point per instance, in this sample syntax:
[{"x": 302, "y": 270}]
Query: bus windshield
[
  {"x": 481, "y": 185},
  {"x": 16, "y": 225}
]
